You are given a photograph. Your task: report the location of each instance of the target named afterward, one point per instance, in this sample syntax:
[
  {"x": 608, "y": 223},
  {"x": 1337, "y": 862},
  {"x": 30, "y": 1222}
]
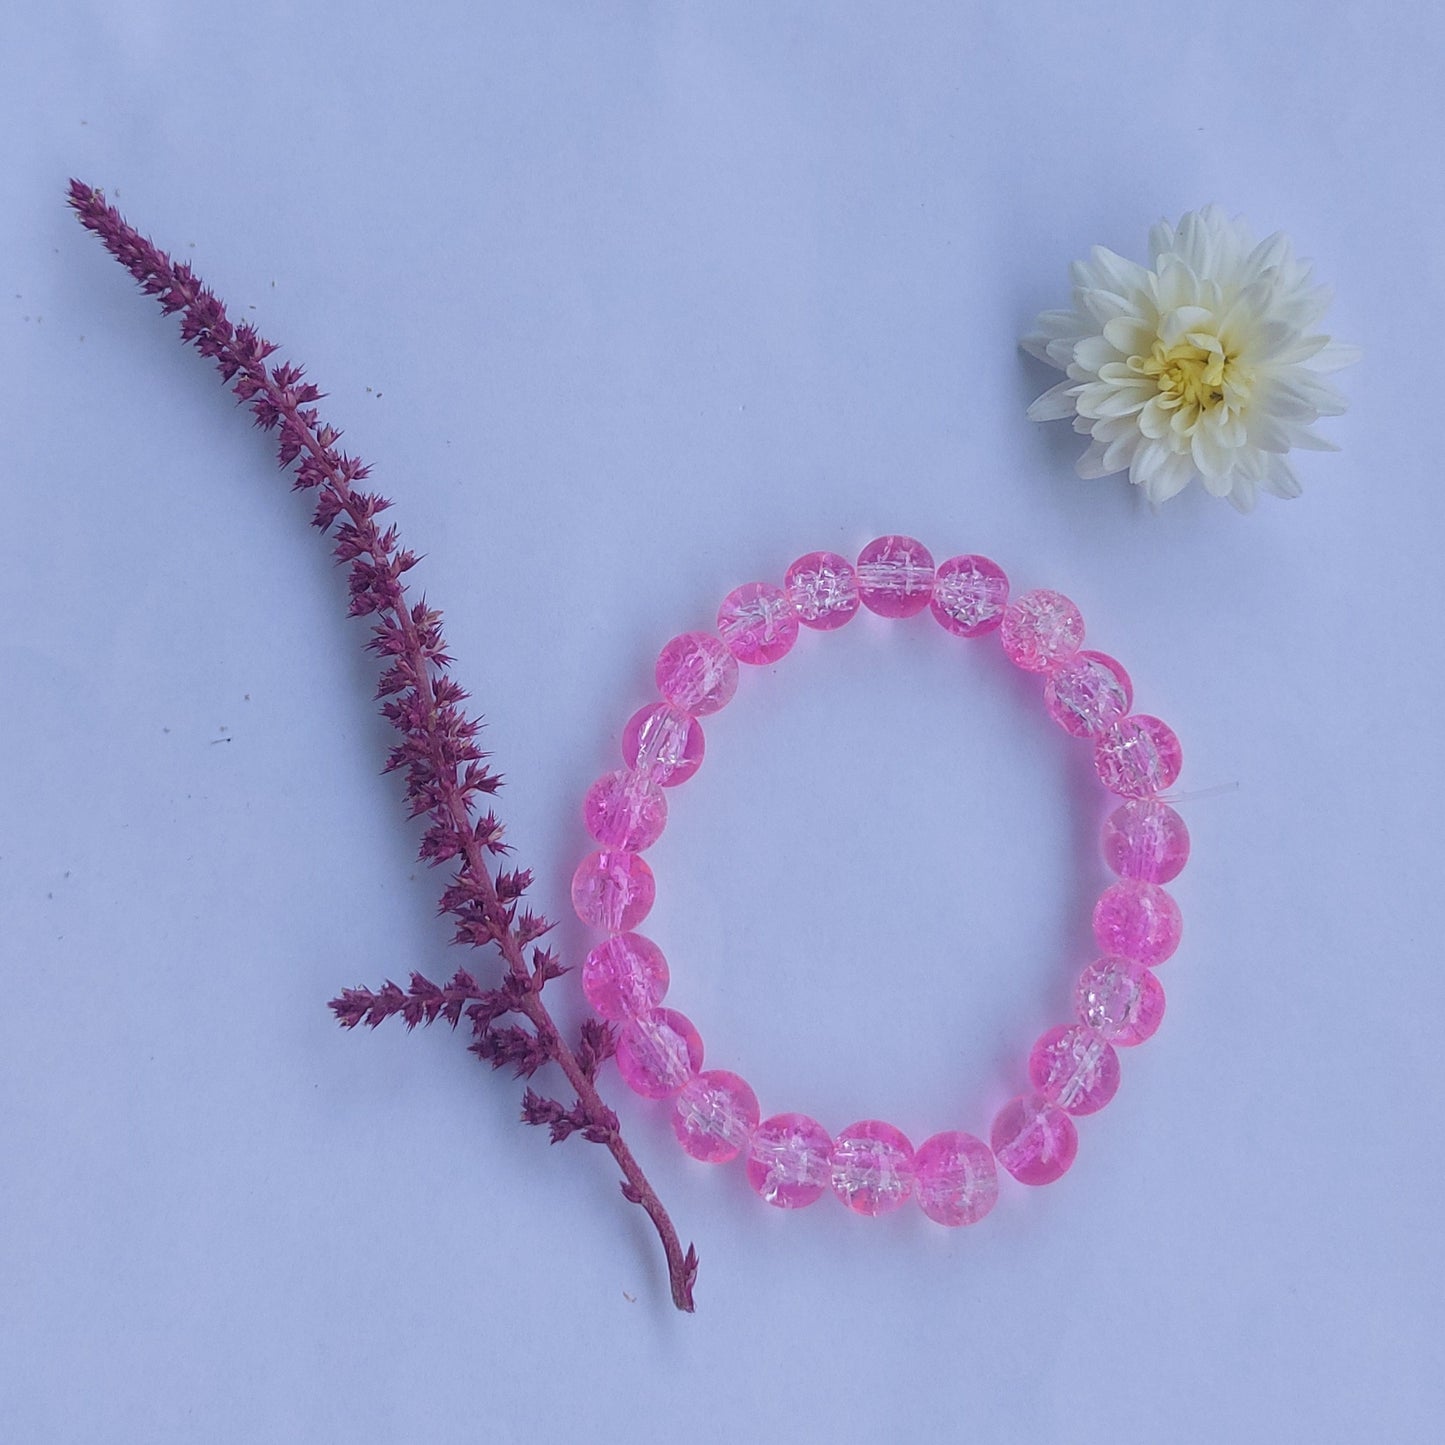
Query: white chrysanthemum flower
[{"x": 1208, "y": 365}]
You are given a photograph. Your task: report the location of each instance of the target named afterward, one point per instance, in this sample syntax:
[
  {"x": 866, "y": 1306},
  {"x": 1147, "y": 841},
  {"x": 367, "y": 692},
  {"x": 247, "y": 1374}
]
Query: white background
[{"x": 626, "y": 305}]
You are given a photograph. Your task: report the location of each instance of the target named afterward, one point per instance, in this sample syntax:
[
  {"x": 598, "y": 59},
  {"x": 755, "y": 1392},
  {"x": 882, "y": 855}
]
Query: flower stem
[
  {"x": 439, "y": 753},
  {"x": 681, "y": 1267}
]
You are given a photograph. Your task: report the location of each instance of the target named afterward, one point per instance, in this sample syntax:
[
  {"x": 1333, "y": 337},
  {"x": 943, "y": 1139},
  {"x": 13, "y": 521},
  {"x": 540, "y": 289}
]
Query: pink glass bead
[
  {"x": 954, "y": 1178},
  {"x": 1138, "y": 920},
  {"x": 823, "y": 589},
  {"x": 1137, "y": 756},
  {"x": 895, "y": 576},
  {"x": 714, "y": 1116},
  {"x": 872, "y": 1167},
  {"x": 1074, "y": 1068},
  {"x": 789, "y": 1160},
  {"x": 1146, "y": 839},
  {"x": 1034, "y": 1140},
  {"x": 1040, "y": 629},
  {"x": 664, "y": 742},
  {"x": 624, "y": 976},
  {"x": 1120, "y": 1000},
  {"x": 612, "y": 890},
  {"x": 697, "y": 673},
  {"x": 625, "y": 810},
  {"x": 757, "y": 623},
  {"x": 1087, "y": 692},
  {"x": 969, "y": 595},
  {"x": 658, "y": 1052}
]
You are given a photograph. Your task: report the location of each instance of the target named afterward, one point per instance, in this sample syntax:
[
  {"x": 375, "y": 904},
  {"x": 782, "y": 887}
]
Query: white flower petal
[
  {"x": 1161, "y": 241},
  {"x": 1178, "y": 320},
  {"x": 1267, "y": 432},
  {"x": 1271, "y": 253},
  {"x": 1098, "y": 399},
  {"x": 1055, "y": 404},
  {"x": 1055, "y": 326},
  {"x": 1206, "y": 242},
  {"x": 1091, "y": 462},
  {"x": 1334, "y": 356},
  {"x": 1306, "y": 388},
  {"x": 1300, "y": 349},
  {"x": 1302, "y": 437},
  {"x": 1119, "y": 453},
  {"x": 1242, "y": 494},
  {"x": 1093, "y": 352},
  {"x": 1110, "y": 428},
  {"x": 1211, "y": 457},
  {"x": 1155, "y": 419},
  {"x": 1130, "y": 335},
  {"x": 1173, "y": 285},
  {"x": 1169, "y": 479},
  {"x": 1109, "y": 271},
  {"x": 1102, "y": 306},
  {"x": 1279, "y": 479}
]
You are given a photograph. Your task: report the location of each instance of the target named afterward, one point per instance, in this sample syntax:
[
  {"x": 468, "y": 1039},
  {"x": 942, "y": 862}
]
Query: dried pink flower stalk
[{"x": 438, "y": 755}]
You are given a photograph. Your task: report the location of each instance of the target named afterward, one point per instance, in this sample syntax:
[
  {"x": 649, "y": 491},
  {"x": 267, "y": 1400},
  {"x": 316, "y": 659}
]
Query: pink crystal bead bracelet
[{"x": 791, "y": 1159}]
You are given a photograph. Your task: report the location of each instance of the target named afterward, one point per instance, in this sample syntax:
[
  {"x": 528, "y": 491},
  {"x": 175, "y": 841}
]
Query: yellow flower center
[{"x": 1195, "y": 376}]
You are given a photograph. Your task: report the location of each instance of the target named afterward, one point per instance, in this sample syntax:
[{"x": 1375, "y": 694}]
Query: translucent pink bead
[
  {"x": 1120, "y": 1000},
  {"x": 1137, "y": 755},
  {"x": 1034, "y": 1139},
  {"x": 663, "y": 741},
  {"x": 697, "y": 673},
  {"x": 1146, "y": 839},
  {"x": 612, "y": 890},
  {"x": 823, "y": 589},
  {"x": 789, "y": 1160},
  {"x": 1138, "y": 920},
  {"x": 954, "y": 1178},
  {"x": 1087, "y": 692},
  {"x": 872, "y": 1167},
  {"x": 757, "y": 623},
  {"x": 969, "y": 595},
  {"x": 1074, "y": 1068},
  {"x": 1040, "y": 629},
  {"x": 626, "y": 810},
  {"x": 714, "y": 1116},
  {"x": 624, "y": 976},
  {"x": 895, "y": 576},
  {"x": 658, "y": 1052}
]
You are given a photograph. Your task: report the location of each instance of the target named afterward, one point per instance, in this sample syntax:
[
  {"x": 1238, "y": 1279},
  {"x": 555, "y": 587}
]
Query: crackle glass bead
[
  {"x": 1134, "y": 919},
  {"x": 1040, "y": 629},
  {"x": 1034, "y": 1139},
  {"x": 714, "y": 1116},
  {"x": 625, "y": 810},
  {"x": 1073, "y": 1067},
  {"x": 895, "y": 576},
  {"x": 872, "y": 1167},
  {"x": 624, "y": 976},
  {"x": 697, "y": 673},
  {"x": 969, "y": 595},
  {"x": 954, "y": 1178},
  {"x": 658, "y": 1052},
  {"x": 789, "y": 1160},
  {"x": 823, "y": 589},
  {"x": 664, "y": 742},
  {"x": 757, "y": 623},
  {"x": 1137, "y": 756},
  {"x": 1120, "y": 999},
  {"x": 612, "y": 890},
  {"x": 1087, "y": 692},
  {"x": 1145, "y": 839}
]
